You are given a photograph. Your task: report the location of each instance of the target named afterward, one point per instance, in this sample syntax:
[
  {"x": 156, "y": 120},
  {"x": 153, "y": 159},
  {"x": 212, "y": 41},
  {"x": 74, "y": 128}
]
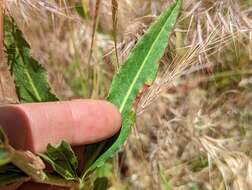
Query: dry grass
[{"x": 194, "y": 124}]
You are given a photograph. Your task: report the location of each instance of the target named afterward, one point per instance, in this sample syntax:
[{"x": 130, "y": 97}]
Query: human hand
[{"x": 79, "y": 122}]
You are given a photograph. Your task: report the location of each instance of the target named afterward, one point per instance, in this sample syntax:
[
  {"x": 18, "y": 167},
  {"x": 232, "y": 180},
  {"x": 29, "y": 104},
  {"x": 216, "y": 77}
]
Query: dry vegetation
[{"x": 194, "y": 124}]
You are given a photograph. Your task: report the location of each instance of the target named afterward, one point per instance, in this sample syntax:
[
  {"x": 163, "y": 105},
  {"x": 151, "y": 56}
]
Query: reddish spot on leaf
[{"x": 140, "y": 94}]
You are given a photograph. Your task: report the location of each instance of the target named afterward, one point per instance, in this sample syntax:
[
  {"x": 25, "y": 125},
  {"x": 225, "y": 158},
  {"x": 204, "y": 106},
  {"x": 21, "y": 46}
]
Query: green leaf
[
  {"x": 5, "y": 156},
  {"x": 30, "y": 77},
  {"x": 5, "y": 153},
  {"x": 101, "y": 183},
  {"x": 139, "y": 69},
  {"x": 105, "y": 171},
  {"x": 3, "y": 137},
  {"x": 62, "y": 159},
  {"x": 11, "y": 174},
  {"x": 166, "y": 185},
  {"x": 81, "y": 10},
  {"x": 195, "y": 187}
]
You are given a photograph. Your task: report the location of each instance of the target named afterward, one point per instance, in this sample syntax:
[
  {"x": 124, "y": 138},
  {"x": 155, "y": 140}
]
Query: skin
[{"x": 77, "y": 122}]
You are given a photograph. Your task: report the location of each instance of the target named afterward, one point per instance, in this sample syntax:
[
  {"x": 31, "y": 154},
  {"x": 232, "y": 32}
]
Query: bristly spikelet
[
  {"x": 25, "y": 10},
  {"x": 235, "y": 167}
]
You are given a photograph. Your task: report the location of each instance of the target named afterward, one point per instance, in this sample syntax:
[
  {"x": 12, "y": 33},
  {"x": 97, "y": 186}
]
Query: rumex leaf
[
  {"x": 11, "y": 174},
  {"x": 139, "y": 69},
  {"x": 30, "y": 77},
  {"x": 101, "y": 183},
  {"x": 5, "y": 156},
  {"x": 62, "y": 159}
]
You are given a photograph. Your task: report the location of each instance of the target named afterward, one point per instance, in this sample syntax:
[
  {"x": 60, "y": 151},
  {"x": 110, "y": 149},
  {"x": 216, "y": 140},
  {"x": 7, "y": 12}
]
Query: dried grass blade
[
  {"x": 95, "y": 23},
  {"x": 114, "y": 7}
]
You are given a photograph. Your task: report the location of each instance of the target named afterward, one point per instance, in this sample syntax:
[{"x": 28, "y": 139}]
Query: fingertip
[
  {"x": 114, "y": 117},
  {"x": 95, "y": 120}
]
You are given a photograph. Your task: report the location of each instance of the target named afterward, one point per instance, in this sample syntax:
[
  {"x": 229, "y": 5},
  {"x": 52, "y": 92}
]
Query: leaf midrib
[
  {"x": 36, "y": 93},
  {"x": 142, "y": 66}
]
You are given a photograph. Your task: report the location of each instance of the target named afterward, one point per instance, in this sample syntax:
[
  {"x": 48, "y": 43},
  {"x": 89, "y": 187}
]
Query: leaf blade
[
  {"x": 140, "y": 68},
  {"x": 5, "y": 156},
  {"x": 153, "y": 54},
  {"x": 11, "y": 174},
  {"x": 62, "y": 159},
  {"x": 30, "y": 77}
]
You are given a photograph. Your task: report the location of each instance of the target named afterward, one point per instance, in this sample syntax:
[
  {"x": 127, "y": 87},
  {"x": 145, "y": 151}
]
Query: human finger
[{"x": 32, "y": 126}]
